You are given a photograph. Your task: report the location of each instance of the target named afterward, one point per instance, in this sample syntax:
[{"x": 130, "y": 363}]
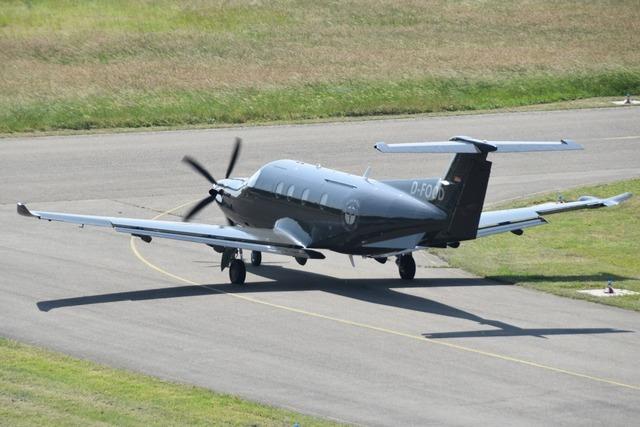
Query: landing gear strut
[{"x": 406, "y": 266}]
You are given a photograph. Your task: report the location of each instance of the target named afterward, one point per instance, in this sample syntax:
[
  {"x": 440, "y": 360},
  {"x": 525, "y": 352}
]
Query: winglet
[{"x": 24, "y": 211}]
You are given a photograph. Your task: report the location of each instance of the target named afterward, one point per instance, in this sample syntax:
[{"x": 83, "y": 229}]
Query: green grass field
[
  {"x": 102, "y": 64},
  {"x": 39, "y": 387},
  {"x": 576, "y": 250}
]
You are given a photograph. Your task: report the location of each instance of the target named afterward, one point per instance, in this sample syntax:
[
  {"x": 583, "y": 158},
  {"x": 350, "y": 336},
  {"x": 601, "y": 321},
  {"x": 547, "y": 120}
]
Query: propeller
[
  {"x": 234, "y": 157},
  {"x": 214, "y": 192}
]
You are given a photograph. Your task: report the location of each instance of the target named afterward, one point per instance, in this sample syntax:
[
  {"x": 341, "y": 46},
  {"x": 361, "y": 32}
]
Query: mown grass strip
[
  {"x": 576, "y": 250},
  {"x": 39, "y": 387},
  {"x": 310, "y": 101},
  {"x": 115, "y": 63}
]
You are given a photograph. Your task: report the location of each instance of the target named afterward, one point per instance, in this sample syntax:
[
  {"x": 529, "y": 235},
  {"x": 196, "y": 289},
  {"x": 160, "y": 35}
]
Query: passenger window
[
  {"x": 279, "y": 189},
  {"x": 290, "y": 191},
  {"x": 305, "y": 196},
  {"x": 323, "y": 200}
]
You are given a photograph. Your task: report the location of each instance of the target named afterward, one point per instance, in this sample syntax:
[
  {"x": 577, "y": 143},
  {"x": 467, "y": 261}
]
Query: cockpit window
[{"x": 251, "y": 182}]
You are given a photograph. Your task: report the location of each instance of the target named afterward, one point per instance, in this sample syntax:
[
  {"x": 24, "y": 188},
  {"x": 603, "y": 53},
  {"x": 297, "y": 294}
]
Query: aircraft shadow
[{"x": 375, "y": 291}]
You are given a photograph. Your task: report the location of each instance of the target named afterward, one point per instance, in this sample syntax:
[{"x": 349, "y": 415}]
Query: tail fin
[{"x": 465, "y": 184}]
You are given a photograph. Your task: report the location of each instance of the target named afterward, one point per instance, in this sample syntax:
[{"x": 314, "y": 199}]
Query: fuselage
[{"x": 338, "y": 211}]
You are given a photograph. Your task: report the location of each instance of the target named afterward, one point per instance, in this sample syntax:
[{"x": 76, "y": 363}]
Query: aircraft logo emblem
[{"x": 351, "y": 214}]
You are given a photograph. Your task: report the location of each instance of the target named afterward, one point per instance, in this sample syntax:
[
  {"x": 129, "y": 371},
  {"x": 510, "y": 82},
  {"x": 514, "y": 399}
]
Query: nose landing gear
[
  {"x": 406, "y": 266},
  {"x": 237, "y": 272}
]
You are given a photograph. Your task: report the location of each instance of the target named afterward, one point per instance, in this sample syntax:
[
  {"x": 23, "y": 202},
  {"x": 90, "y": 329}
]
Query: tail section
[
  {"x": 465, "y": 186},
  {"x": 462, "y": 192}
]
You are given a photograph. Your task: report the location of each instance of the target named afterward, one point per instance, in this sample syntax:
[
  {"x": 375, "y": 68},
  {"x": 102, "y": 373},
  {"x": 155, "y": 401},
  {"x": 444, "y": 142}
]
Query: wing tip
[
  {"x": 615, "y": 200},
  {"x": 23, "y": 210},
  {"x": 570, "y": 144},
  {"x": 380, "y": 146}
]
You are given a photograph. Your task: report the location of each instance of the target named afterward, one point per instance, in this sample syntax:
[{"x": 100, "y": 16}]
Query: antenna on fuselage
[{"x": 365, "y": 175}]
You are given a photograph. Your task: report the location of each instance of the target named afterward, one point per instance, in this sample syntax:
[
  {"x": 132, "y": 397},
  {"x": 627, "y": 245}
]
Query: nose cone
[{"x": 406, "y": 207}]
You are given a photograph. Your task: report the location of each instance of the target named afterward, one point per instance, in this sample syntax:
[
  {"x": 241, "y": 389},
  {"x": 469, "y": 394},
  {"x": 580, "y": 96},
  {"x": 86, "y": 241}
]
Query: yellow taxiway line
[{"x": 135, "y": 251}]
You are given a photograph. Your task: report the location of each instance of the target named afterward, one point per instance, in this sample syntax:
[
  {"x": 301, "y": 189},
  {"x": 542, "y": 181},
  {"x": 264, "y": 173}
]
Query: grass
[
  {"x": 39, "y": 387},
  {"x": 576, "y": 250},
  {"x": 96, "y": 64}
]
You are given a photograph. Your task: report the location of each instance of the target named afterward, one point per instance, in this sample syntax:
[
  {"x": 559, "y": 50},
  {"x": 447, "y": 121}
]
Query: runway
[{"x": 356, "y": 345}]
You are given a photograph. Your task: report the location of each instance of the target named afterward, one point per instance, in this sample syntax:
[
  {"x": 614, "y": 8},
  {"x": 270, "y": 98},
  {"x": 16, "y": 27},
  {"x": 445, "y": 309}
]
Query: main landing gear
[
  {"x": 232, "y": 258},
  {"x": 237, "y": 269},
  {"x": 256, "y": 258},
  {"x": 406, "y": 266}
]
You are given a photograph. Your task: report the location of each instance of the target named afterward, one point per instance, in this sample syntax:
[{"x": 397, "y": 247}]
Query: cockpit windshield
[{"x": 251, "y": 182}]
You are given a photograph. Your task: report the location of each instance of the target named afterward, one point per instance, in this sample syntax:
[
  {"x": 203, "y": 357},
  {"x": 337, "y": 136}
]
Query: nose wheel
[
  {"x": 237, "y": 272},
  {"x": 406, "y": 266}
]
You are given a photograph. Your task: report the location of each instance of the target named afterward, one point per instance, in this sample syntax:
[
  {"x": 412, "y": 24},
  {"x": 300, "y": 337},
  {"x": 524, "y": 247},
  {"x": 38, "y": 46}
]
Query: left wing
[
  {"x": 283, "y": 240},
  {"x": 515, "y": 220}
]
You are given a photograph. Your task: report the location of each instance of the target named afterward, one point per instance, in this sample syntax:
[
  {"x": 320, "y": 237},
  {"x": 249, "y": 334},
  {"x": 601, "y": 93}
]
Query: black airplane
[{"x": 296, "y": 209}]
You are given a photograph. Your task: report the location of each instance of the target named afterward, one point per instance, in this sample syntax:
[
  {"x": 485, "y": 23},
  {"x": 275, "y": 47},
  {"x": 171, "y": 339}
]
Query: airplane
[{"x": 297, "y": 209}]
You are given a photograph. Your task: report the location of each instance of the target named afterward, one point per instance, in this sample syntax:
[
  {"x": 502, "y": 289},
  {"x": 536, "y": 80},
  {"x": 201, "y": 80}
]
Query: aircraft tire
[
  {"x": 300, "y": 260},
  {"x": 407, "y": 267},
  {"x": 256, "y": 258},
  {"x": 237, "y": 272}
]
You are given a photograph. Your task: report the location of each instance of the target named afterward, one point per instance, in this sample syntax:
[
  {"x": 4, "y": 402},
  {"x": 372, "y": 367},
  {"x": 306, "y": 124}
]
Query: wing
[
  {"x": 280, "y": 240},
  {"x": 515, "y": 220}
]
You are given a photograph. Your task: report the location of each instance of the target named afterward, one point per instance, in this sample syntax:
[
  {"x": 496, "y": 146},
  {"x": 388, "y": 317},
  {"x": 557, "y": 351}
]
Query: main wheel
[
  {"x": 300, "y": 260},
  {"x": 406, "y": 267},
  {"x": 237, "y": 272},
  {"x": 256, "y": 258}
]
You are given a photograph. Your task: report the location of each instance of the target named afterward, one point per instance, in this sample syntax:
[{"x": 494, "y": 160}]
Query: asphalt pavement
[{"x": 353, "y": 344}]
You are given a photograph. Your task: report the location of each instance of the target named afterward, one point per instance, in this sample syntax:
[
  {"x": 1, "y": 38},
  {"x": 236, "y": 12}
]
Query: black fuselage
[{"x": 338, "y": 211}]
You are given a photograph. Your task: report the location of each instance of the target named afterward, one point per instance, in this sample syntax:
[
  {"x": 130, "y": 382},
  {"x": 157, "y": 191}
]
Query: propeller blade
[
  {"x": 197, "y": 208},
  {"x": 234, "y": 157},
  {"x": 198, "y": 167}
]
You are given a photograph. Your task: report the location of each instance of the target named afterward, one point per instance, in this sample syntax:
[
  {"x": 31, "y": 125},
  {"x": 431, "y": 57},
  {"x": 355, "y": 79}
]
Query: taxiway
[{"x": 357, "y": 345}]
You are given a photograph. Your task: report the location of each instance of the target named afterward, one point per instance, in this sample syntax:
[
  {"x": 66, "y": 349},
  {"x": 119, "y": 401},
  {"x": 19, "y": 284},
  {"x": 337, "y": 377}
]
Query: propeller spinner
[{"x": 214, "y": 192}]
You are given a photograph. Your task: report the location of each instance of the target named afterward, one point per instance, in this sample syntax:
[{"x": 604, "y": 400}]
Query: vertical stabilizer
[{"x": 465, "y": 186}]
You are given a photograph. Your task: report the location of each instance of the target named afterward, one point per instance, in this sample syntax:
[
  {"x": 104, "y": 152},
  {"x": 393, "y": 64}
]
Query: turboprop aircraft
[{"x": 296, "y": 209}]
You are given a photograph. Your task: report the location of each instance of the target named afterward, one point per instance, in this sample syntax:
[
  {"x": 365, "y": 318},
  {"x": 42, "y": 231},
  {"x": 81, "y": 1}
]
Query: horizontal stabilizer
[{"x": 465, "y": 144}]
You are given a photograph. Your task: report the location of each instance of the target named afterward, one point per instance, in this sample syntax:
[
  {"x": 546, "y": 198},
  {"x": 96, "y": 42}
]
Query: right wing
[
  {"x": 284, "y": 239},
  {"x": 494, "y": 222}
]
